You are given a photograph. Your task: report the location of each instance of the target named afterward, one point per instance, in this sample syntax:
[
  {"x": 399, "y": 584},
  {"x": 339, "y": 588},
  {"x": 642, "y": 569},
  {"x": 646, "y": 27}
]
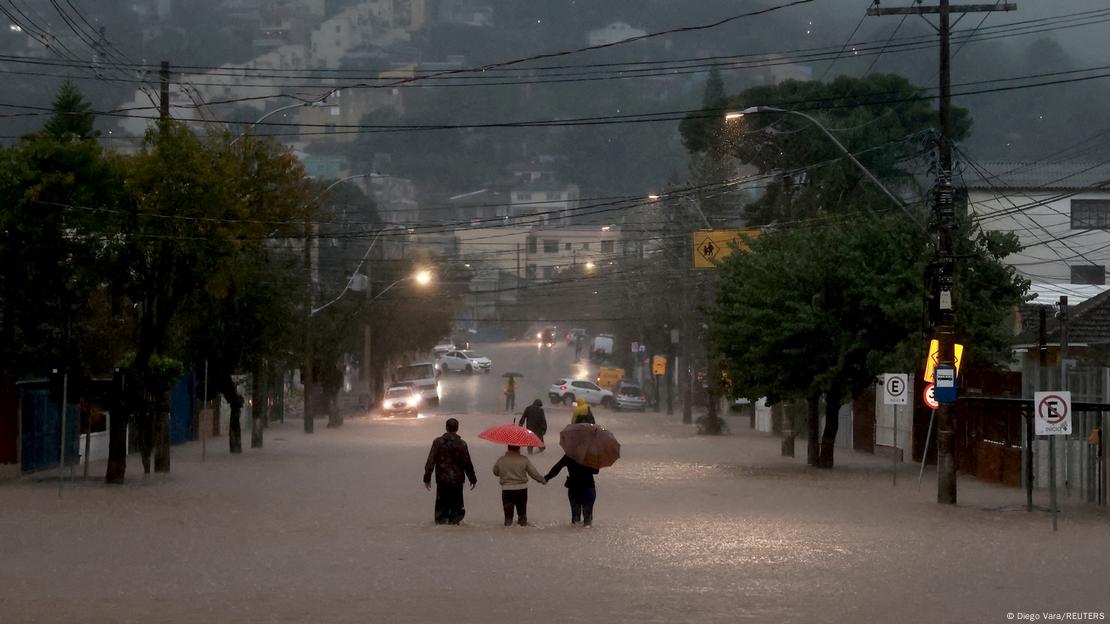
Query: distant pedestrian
[
  {"x": 578, "y": 341},
  {"x": 581, "y": 490},
  {"x": 582, "y": 413},
  {"x": 510, "y": 395},
  {"x": 514, "y": 470},
  {"x": 450, "y": 459},
  {"x": 535, "y": 421}
]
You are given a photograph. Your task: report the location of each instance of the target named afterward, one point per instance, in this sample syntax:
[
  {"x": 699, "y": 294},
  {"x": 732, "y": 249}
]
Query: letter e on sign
[
  {"x": 896, "y": 389},
  {"x": 1052, "y": 413}
]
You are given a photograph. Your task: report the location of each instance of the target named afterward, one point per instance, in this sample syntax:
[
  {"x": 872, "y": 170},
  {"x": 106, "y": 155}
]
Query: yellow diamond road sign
[{"x": 712, "y": 246}]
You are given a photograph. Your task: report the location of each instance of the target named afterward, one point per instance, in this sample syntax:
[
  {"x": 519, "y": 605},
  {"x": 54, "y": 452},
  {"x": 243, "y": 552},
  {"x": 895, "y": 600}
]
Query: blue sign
[{"x": 945, "y": 390}]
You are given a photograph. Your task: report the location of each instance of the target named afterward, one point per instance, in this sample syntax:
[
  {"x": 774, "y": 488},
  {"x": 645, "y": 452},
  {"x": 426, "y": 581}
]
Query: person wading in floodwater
[{"x": 450, "y": 460}]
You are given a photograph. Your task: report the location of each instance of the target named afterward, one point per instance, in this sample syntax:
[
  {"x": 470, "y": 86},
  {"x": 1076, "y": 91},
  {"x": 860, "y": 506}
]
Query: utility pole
[
  {"x": 306, "y": 367},
  {"x": 368, "y": 337},
  {"x": 1063, "y": 386},
  {"x": 164, "y": 92},
  {"x": 943, "y": 280}
]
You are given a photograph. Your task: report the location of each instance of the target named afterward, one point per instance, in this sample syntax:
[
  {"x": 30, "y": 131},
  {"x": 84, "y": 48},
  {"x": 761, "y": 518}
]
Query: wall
[{"x": 1036, "y": 225}]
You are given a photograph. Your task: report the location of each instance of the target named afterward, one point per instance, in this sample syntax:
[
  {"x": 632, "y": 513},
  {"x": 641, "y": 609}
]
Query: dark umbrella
[
  {"x": 511, "y": 375},
  {"x": 590, "y": 445}
]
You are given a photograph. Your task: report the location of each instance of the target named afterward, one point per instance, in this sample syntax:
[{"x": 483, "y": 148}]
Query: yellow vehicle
[{"x": 608, "y": 377}]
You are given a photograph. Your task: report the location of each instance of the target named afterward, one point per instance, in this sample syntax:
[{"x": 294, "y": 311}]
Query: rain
[{"x": 481, "y": 310}]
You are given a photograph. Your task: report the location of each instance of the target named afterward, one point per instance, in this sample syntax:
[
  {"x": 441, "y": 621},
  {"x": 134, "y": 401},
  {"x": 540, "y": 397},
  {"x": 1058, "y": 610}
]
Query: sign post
[
  {"x": 895, "y": 392},
  {"x": 1052, "y": 417},
  {"x": 931, "y": 403}
]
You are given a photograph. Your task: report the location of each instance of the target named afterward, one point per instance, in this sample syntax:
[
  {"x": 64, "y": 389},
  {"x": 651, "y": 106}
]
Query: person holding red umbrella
[{"x": 514, "y": 470}]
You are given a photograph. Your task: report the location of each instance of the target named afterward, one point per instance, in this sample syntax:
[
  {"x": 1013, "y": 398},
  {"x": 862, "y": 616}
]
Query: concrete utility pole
[{"x": 944, "y": 207}]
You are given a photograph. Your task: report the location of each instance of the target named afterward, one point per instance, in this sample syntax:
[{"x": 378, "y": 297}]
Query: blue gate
[
  {"x": 42, "y": 424},
  {"x": 181, "y": 410}
]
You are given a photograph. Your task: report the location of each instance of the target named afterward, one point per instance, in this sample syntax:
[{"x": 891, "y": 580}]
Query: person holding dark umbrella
[
  {"x": 588, "y": 448},
  {"x": 580, "y": 489},
  {"x": 535, "y": 420}
]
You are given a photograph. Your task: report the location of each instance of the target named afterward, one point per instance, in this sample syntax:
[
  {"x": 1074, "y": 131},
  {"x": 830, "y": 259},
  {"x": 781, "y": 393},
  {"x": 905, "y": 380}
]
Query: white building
[
  {"x": 551, "y": 251},
  {"x": 1060, "y": 211}
]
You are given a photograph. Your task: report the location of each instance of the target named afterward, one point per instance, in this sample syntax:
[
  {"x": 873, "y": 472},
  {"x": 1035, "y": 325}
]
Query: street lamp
[
  {"x": 314, "y": 103},
  {"x": 753, "y": 110}
]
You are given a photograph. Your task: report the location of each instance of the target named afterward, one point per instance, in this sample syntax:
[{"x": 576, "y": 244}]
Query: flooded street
[{"x": 337, "y": 527}]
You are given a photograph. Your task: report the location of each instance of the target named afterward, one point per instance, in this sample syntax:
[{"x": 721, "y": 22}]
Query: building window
[
  {"x": 552, "y": 195},
  {"x": 607, "y": 246},
  {"x": 1088, "y": 274},
  {"x": 548, "y": 272},
  {"x": 524, "y": 197},
  {"x": 586, "y": 246},
  {"x": 529, "y": 272},
  {"x": 550, "y": 245},
  {"x": 1090, "y": 214},
  {"x": 566, "y": 247},
  {"x": 531, "y": 247}
]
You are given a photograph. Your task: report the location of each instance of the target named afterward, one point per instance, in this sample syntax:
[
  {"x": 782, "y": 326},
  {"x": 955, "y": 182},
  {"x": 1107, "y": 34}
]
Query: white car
[
  {"x": 464, "y": 362},
  {"x": 401, "y": 400},
  {"x": 443, "y": 346},
  {"x": 570, "y": 390},
  {"x": 423, "y": 376}
]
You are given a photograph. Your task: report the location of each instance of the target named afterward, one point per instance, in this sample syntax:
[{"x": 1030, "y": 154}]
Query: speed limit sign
[{"x": 930, "y": 398}]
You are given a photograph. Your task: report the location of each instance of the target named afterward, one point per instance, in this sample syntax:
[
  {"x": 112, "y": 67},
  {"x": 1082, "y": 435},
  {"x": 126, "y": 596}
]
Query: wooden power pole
[{"x": 943, "y": 279}]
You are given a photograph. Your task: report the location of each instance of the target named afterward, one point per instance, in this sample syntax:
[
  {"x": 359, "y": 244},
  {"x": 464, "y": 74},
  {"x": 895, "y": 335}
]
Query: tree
[
  {"x": 54, "y": 189},
  {"x": 883, "y": 119},
  {"x": 72, "y": 115},
  {"x": 245, "y": 317},
  {"x": 805, "y": 314}
]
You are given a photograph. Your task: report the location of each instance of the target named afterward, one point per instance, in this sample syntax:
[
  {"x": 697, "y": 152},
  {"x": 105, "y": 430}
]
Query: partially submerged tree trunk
[
  {"x": 160, "y": 428},
  {"x": 144, "y": 431},
  {"x": 786, "y": 423},
  {"x": 120, "y": 415},
  {"x": 832, "y": 426},
  {"x": 258, "y": 405},
  {"x": 235, "y": 400},
  {"x": 813, "y": 427}
]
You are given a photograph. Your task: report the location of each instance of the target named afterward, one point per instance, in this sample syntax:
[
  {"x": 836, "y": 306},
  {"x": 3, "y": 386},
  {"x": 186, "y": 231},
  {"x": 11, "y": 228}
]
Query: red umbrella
[{"x": 513, "y": 435}]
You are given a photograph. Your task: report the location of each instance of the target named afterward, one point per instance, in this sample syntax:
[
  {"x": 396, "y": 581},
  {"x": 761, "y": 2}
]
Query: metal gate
[
  {"x": 181, "y": 410},
  {"x": 1080, "y": 457},
  {"x": 41, "y": 428}
]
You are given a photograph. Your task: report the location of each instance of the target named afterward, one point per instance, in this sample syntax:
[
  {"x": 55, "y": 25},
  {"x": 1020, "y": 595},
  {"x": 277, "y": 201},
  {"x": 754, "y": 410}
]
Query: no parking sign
[{"x": 1052, "y": 413}]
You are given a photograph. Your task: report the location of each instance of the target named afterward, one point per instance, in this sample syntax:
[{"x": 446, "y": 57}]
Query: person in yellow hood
[{"x": 582, "y": 413}]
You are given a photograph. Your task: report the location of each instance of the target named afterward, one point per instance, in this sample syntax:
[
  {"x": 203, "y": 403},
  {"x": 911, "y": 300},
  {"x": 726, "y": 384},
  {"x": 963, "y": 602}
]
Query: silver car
[{"x": 629, "y": 396}]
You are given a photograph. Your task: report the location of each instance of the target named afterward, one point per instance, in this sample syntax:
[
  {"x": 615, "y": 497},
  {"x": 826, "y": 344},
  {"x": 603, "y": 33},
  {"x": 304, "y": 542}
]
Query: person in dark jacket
[
  {"x": 535, "y": 421},
  {"x": 580, "y": 489},
  {"x": 450, "y": 460}
]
